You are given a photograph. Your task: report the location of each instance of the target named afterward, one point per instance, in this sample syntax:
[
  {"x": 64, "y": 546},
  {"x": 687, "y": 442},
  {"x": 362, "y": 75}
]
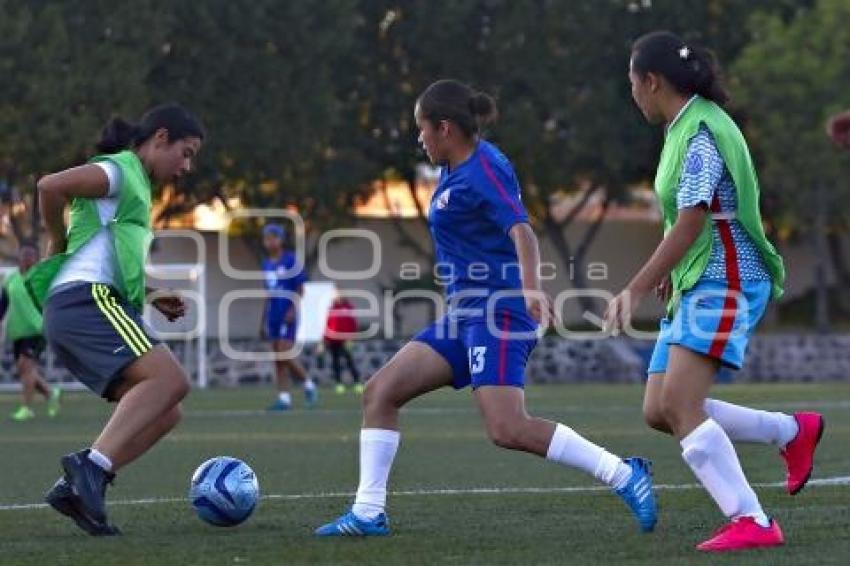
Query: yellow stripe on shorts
[
  {"x": 135, "y": 329},
  {"x": 97, "y": 294}
]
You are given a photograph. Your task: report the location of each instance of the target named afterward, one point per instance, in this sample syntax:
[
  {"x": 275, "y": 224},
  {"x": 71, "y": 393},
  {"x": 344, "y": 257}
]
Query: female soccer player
[
  {"x": 719, "y": 271},
  {"x": 92, "y": 290},
  {"x": 280, "y": 316},
  {"x": 24, "y": 328},
  {"x": 340, "y": 326},
  {"x": 482, "y": 236}
]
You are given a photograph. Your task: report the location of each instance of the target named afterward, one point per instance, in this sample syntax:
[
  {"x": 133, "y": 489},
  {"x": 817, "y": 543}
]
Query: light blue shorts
[{"x": 714, "y": 321}]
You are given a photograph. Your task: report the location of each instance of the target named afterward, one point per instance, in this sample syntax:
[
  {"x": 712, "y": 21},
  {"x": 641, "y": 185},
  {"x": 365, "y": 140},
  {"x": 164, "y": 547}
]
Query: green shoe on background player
[
  {"x": 23, "y": 413},
  {"x": 54, "y": 402}
]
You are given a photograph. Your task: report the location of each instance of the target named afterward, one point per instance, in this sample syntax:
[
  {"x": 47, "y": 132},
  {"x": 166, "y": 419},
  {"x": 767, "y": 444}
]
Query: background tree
[
  {"x": 790, "y": 78},
  {"x": 66, "y": 68},
  {"x": 263, "y": 77}
]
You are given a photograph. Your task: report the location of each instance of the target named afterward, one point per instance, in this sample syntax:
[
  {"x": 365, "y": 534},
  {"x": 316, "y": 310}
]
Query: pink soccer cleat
[
  {"x": 742, "y": 534},
  {"x": 799, "y": 454}
]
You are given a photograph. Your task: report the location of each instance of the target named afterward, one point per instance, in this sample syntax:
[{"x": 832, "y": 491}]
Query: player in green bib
[
  {"x": 719, "y": 271},
  {"x": 24, "y": 330},
  {"x": 92, "y": 289}
]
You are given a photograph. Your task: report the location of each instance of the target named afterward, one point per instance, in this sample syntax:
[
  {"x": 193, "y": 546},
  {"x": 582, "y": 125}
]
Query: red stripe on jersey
[
  {"x": 502, "y": 192},
  {"x": 733, "y": 283}
]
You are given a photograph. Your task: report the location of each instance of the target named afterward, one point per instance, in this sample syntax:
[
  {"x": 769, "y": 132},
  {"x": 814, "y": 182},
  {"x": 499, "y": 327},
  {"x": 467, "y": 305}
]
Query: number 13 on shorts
[{"x": 476, "y": 359}]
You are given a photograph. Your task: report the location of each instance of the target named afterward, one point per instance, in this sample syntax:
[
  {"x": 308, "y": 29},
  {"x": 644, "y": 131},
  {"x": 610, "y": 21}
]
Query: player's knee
[
  {"x": 377, "y": 395},
  {"x": 655, "y": 418},
  {"x": 24, "y": 365},
  {"x": 674, "y": 412},
  {"x": 175, "y": 415},
  {"x": 183, "y": 386},
  {"x": 178, "y": 385},
  {"x": 372, "y": 396},
  {"x": 503, "y": 435}
]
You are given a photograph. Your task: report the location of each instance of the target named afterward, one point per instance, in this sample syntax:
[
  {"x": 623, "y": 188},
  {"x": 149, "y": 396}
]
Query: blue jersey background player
[
  {"x": 280, "y": 314},
  {"x": 482, "y": 237}
]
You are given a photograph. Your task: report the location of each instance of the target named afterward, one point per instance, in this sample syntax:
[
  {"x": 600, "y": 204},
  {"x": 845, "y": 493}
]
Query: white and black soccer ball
[{"x": 224, "y": 491}]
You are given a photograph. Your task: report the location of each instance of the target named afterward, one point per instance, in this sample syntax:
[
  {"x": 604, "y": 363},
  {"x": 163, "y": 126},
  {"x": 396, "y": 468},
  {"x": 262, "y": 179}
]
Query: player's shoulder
[
  {"x": 491, "y": 156},
  {"x": 493, "y": 166},
  {"x": 702, "y": 141},
  {"x": 702, "y": 152}
]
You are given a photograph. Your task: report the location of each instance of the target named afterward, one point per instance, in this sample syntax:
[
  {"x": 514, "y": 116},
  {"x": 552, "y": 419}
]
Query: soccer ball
[{"x": 224, "y": 491}]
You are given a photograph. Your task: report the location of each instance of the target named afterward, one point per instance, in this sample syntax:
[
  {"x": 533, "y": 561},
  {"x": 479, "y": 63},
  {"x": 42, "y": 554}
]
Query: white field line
[
  {"x": 833, "y": 481},
  {"x": 437, "y": 411}
]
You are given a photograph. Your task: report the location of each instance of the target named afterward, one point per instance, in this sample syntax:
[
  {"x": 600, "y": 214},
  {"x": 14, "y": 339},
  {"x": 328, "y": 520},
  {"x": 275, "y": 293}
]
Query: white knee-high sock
[
  {"x": 711, "y": 456},
  {"x": 743, "y": 424},
  {"x": 377, "y": 451},
  {"x": 571, "y": 449}
]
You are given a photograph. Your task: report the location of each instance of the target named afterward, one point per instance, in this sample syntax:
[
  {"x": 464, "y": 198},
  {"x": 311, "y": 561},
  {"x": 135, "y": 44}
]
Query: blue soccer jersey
[
  {"x": 281, "y": 277},
  {"x": 472, "y": 210},
  {"x": 484, "y": 341}
]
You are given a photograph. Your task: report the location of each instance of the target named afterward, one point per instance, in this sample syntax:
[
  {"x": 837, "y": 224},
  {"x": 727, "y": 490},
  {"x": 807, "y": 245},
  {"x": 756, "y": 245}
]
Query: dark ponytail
[
  {"x": 691, "y": 69},
  {"x": 454, "y": 101},
  {"x": 119, "y": 134}
]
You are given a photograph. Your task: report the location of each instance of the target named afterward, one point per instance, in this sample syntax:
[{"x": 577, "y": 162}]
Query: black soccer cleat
[
  {"x": 88, "y": 483},
  {"x": 61, "y": 497}
]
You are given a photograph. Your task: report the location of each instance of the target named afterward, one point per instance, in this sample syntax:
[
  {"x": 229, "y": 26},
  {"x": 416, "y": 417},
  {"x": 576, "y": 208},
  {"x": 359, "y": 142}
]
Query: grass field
[{"x": 459, "y": 500}]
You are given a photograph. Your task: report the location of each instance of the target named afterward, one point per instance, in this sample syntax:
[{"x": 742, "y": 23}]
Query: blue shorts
[
  {"x": 713, "y": 321},
  {"x": 278, "y": 329},
  {"x": 482, "y": 354}
]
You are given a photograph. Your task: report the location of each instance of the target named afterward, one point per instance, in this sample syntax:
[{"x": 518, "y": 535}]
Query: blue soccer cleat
[
  {"x": 350, "y": 525},
  {"x": 279, "y": 406},
  {"x": 638, "y": 493}
]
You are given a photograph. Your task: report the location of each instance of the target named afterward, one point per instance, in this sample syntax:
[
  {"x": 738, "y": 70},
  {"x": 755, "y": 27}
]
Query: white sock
[
  {"x": 743, "y": 424},
  {"x": 569, "y": 448},
  {"x": 309, "y": 384},
  {"x": 285, "y": 397},
  {"x": 100, "y": 459},
  {"x": 377, "y": 451},
  {"x": 711, "y": 456}
]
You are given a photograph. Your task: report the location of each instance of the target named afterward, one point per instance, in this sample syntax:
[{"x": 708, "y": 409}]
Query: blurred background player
[
  {"x": 24, "y": 329},
  {"x": 477, "y": 217},
  {"x": 340, "y": 327},
  {"x": 838, "y": 129},
  {"x": 280, "y": 315},
  {"x": 92, "y": 291},
  {"x": 719, "y": 271}
]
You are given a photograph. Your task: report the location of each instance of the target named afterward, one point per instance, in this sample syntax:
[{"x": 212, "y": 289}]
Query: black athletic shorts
[
  {"x": 29, "y": 346},
  {"x": 95, "y": 333}
]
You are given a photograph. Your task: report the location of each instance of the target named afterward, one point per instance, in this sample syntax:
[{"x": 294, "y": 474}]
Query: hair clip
[{"x": 684, "y": 52}]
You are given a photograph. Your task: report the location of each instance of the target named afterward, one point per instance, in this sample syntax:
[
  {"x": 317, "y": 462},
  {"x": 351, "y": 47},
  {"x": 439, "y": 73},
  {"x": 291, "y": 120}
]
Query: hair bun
[{"x": 483, "y": 107}]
